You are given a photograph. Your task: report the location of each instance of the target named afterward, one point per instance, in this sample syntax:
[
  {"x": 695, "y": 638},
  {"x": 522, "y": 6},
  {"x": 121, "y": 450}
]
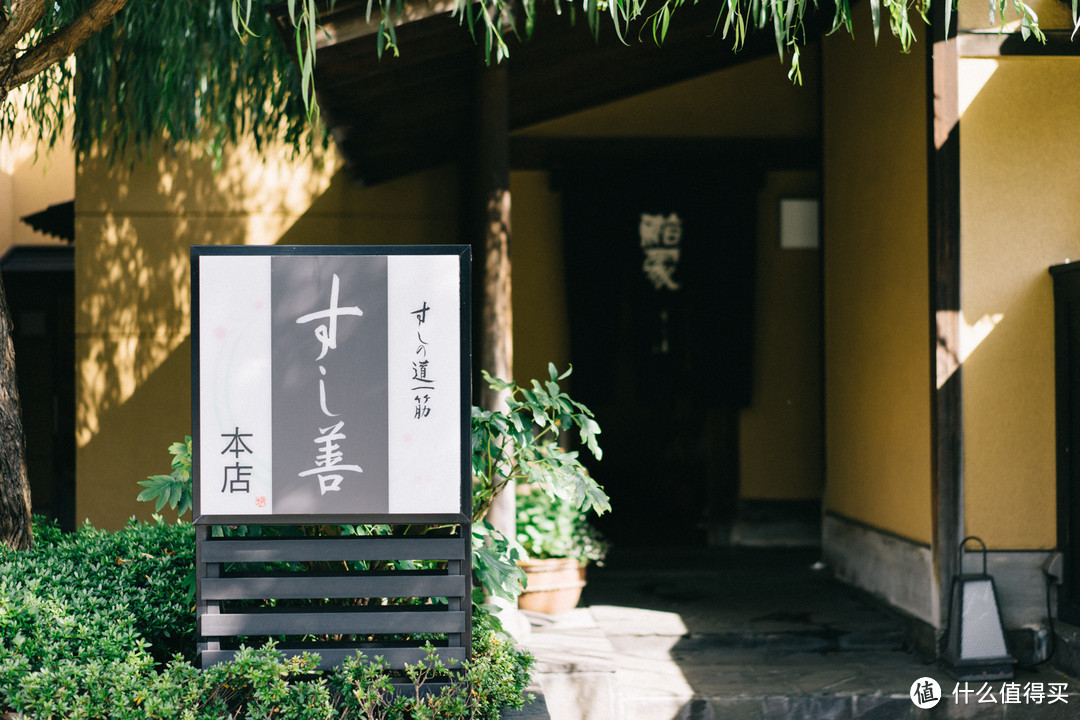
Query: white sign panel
[{"x": 330, "y": 383}]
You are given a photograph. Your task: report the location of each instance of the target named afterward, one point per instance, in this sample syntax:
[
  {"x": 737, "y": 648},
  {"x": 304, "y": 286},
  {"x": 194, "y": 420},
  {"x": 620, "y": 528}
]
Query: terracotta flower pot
[{"x": 554, "y": 585}]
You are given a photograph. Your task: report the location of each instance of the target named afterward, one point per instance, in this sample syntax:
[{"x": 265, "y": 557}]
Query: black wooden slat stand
[{"x": 226, "y": 578}]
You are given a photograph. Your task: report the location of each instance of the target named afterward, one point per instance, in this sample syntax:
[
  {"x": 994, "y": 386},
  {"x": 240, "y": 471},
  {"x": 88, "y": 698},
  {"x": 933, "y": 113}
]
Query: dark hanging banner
[{"x": 660, "y": 268}]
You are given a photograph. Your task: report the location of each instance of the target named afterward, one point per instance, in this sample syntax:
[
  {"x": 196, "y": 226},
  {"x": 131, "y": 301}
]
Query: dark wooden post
[
  {"x": 487, "y": 217},
  {"x": 943, "y": 186}
]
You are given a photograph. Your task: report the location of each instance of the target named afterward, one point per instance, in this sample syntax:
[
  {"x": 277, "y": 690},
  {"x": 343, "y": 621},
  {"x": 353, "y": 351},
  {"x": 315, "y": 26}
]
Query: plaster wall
[
  {"x": 1018, "y": 186},
  {"x": 1052, "y": 14},
  {"x": 541, "y": 322},
  {"x": 877, "y": 366},
  {"x": 752, "y": 100},
  {"x": 29, "y": 182},
  {"x": 135, "y": 226},
  {"x": 781, "y": 441}
]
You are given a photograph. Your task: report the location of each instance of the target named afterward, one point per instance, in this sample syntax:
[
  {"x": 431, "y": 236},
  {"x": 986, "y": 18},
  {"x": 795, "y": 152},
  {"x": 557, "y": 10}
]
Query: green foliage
[
  {"x": 167, "y": 72},
  {"x": 48, "y": 97},
  {"x": 551, "y": 527},
  {"x": 90, "y": 628},
  {"x": 96, "y": 594},
  {"x": 521, "y": 443},
  {"x": 491, "y": 22},
  {"x": 495, "y": 564},
  {"x": 212, "y": 71},
  {"x": 174, "y": 489}
]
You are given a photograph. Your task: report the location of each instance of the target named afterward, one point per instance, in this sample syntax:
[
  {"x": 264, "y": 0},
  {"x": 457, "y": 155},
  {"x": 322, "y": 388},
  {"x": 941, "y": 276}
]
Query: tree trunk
[
  {"x": 487, "y": 208},
  {"x": 15, "y": 531}
]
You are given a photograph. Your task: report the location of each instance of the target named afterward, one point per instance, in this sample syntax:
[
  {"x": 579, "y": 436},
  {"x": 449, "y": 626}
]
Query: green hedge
[{"x": 100, "y": 624}]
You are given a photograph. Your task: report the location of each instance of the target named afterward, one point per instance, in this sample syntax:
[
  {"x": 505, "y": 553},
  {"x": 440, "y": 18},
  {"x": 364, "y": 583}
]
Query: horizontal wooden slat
[
  {"x": 332, "y": 657},
  {"x": 322, "y": 623},
  {"x": 237, "y": 550},
  {"x": 302, "y": 585}
]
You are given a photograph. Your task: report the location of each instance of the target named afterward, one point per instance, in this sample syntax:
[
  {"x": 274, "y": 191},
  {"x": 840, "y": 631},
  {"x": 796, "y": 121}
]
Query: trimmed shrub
[
  {"x": 98, "y": 594},
  {"x": 100, "y": 625}
]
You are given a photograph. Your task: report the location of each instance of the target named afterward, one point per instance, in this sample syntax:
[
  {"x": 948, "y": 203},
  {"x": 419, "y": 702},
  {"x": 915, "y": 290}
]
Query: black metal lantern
[{"x": 975, "y": 642}]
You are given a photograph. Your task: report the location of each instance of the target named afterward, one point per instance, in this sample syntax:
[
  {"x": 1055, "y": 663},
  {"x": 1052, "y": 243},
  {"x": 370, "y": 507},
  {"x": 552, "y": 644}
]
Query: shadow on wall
[
  {"x": 135, "y": 227},
  {"x": 133, "y": 443}
]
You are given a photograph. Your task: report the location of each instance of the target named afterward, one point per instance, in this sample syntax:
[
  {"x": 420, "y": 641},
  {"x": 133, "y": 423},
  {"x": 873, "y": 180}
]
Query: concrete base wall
[
  {"x": 900, "y": 573},
  {"x": 893, "y": 569},
  {"x": 1020, "y": 583}
]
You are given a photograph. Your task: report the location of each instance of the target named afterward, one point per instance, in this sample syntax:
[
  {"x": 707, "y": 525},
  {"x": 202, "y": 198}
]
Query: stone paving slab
[
  {"x": 650, "y": 677},
  {"x": 685, "y": 644}
]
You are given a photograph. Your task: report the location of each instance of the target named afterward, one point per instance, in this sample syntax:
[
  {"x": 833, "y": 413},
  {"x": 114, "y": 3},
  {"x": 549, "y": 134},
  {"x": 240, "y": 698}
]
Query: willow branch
[
  {"x": 62, "y": 43},
  {"x": 23, "y": 15}
]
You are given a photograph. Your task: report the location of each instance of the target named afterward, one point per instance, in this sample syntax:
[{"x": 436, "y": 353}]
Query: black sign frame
[
  {"x": 463, "y": 254},
  {"x": 224, "y": 596}
]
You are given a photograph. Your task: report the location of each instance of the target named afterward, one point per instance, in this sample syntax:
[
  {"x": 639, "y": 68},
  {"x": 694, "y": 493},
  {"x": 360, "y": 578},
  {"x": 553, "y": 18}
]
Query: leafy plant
[
  {"x": 522, "y": 443},
  {"x": 173, "y": 489},
  {"x": 495, "y": 567},
  {"x": 551, "y": 527},
  {"x": 94, "y": 593}
]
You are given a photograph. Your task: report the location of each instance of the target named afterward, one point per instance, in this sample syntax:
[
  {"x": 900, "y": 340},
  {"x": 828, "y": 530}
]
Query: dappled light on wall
[
  {"x": 952, "y": 353},
  {"x": 133, "y": 304},
  {"x": 135, "y": 224}
]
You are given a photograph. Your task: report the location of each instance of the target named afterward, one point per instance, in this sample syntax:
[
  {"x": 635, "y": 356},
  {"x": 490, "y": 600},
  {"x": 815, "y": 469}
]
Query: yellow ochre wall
[
  {"x": 1052, "y": 14},
  {"x": 781, "y": 443},
  {"x": 877, "y": 368},
  {"x": 1019, "y": 186},
  {"x": 135, "y": 227},
  {"x": 31, "y": 179}
]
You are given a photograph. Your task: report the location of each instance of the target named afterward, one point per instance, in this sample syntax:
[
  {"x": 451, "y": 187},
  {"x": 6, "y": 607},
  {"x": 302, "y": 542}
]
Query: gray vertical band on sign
[{"x": 331, "y": 387}]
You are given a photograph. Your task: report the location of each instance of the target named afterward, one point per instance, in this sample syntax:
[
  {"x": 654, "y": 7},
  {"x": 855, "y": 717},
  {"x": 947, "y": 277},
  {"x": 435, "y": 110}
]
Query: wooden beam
[
  {"x": 946, "y": 416},
  {"x": 1059, "y": 43},
  {"x": 542, "y": 153},
  {"x": 398, "y": 115}
]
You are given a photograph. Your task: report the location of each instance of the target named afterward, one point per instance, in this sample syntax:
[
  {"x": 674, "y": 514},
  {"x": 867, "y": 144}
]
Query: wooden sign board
[{"x": 330, "y": 384}]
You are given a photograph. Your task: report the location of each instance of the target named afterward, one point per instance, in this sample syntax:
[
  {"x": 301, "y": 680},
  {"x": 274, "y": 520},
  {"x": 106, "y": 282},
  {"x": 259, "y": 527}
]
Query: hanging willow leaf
[{"x": 209, "y": 72}]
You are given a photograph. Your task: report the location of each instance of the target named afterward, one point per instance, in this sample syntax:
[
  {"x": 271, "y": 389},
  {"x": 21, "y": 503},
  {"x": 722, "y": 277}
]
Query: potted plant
[
  {"x": 524, "y": 443},
  {"x": 520, "y": 443},
  {"x": 559, "y": 543}
]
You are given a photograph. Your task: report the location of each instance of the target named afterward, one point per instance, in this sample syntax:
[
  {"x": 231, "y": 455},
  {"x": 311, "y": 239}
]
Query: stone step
[{"x": 615, "y": 663}]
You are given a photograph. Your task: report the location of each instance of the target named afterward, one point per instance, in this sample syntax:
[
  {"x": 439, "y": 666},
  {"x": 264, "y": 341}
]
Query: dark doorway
[
  {"x": 1067, "y": 383},
  {"x": 660, "y": 265},
  {"x": 40, "y": 286}
]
